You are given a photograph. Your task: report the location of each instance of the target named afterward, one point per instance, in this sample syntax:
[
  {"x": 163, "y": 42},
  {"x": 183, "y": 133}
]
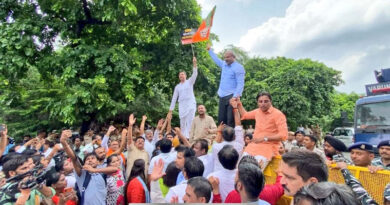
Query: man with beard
[
  {"x": 333, "y": 149},
  {"x": 384, "y": 152},
  {"x": 95, "y": 191},
  {"x": 203, "y": 126},
  {"x": 100, "y": 153},
  {"x": 299, "y": 168}
]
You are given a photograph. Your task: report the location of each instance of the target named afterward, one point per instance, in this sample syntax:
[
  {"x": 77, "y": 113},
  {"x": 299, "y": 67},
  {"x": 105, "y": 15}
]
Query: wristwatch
[{"x": 265, "y": 139}]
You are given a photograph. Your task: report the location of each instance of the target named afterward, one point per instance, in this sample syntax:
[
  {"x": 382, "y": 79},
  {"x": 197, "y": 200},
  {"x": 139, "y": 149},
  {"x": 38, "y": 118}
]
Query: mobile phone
[
  {"x": 68, "y": 189},
  {"x": 2, "y": 127}
]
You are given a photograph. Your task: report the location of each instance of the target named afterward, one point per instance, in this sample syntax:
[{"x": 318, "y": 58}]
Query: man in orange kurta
[{"x": 270, "y": 129}]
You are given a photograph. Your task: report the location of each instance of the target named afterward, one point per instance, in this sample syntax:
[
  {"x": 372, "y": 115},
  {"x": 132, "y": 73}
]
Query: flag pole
[{"x": 192, "y": 48}]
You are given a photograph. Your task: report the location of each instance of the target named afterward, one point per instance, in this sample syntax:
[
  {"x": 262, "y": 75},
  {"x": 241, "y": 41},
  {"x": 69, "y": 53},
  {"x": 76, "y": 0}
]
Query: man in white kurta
[{"x": 184, "y": 94}]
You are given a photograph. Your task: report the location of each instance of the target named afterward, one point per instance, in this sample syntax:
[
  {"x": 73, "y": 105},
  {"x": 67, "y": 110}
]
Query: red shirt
[
  {"x": 56, "y": 200},
  {"x": 270, "y": 194},
  {"x": 135, "y": 192}
]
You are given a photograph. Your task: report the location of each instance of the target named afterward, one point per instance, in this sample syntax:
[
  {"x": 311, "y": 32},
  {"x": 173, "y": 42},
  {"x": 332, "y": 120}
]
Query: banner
[{"x": 202, "y": 33}]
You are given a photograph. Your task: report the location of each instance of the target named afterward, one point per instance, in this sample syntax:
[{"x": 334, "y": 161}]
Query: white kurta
[
  {"x": 238, "y": 144},
  {"x": 184, "y": 94},
  {"x": 226, "y": 181}
]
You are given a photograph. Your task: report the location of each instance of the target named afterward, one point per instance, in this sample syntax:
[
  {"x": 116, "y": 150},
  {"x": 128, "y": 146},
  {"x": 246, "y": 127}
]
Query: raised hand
[
  {"x": 132, "y": 120},
  {"x": 214, "y": 181},
  {"x": 233, "y": 102},
  {"x": 160, "y": 124},
  {"x": 144, "y": 118},
  {"x": 175, "y": 200},
  {"x": 157, "y": 172},
  {"x": 110, "y": 130},
  {"x": 220, "y": 127},
  {"x": 124, "y": 132},
  {"x": 65, "y": 135}
]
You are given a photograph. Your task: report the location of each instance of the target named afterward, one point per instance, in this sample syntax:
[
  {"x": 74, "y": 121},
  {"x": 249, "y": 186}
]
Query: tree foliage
[
  {"x": 301, "y": 89},
  {"x": 73, "y": 61}
]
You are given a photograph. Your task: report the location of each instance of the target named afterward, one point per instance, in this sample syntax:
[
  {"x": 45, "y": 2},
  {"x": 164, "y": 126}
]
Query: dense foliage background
[{"x": 74, "y": 62}]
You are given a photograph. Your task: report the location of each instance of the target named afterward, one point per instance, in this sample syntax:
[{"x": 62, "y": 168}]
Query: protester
[
  {"x": 160, "y": 182},
  {"x": 270, "y": 127},
  {"x": 166, "y": 155},
  {"x": 249, "y": 183},
  {"x": 198, "y": 190},
  {"x": 182, "y": 154},
  {"x": 310, "y": 143},
  {"x": 299, "y": 168},
  {"x": 290, "y": 142},
  {"x": 19, "y": 165},
  {"x": 271, "y": 193},
  {"x": 231, "y": 85},
  {"x": 228, "y": 158},
  {"x": 135, "y": 149},
  {"x": 193, "y": 167},
  {"x": 230, "y": 136},
  {"x": 248, "y": 138},
  {"x": 203, "y": 126},
  {"x": 136, "y": 189},
  {"x": 115, "y": 181},
  {"x": 92, "y": 186},
  {"x": 63, "y": 196},
  {"x": 201, "y": 148},
  {"x": 299, "y": 140},
  {"x": 184, "y": 94}
]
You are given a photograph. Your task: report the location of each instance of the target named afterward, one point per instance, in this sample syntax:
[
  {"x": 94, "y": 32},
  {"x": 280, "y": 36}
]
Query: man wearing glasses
[{"x": 270, "y": 128}]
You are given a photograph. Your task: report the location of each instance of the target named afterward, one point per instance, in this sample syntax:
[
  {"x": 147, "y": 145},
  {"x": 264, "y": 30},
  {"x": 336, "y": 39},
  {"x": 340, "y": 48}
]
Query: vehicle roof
[{"x": 373, "y": 99}]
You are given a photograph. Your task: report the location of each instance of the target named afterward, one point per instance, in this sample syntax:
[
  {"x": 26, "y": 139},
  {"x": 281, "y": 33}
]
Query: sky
[{"x": 352, "y": 36}]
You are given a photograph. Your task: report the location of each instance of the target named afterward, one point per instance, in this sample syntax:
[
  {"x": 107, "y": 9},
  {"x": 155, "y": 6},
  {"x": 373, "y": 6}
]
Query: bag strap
[{"x": 85, "y": 185}]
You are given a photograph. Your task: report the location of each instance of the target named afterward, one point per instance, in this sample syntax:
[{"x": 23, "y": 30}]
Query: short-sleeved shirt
[
  {"x": 270, "y": 123},
  {"x": 133, "y": 154},
  {"x": 166, "y": 157},
  {"x": 96, "y": 191}
]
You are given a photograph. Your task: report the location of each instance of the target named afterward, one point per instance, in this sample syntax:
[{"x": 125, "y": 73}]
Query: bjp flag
[{"x": 202, "y": 33}]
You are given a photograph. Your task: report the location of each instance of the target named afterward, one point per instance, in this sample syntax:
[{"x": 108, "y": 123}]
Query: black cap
[
  {"x": 362, "y": 146},
  {"x": 336, "y": 143},
  {"x": 384, "y": 143}
]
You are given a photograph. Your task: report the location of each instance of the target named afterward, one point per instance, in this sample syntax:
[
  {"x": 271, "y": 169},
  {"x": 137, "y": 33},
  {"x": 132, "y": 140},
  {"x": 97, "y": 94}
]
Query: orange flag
[{"x": 202, "y": 33}]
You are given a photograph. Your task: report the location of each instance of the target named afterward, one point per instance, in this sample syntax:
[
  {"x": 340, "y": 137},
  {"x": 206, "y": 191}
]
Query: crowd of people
[{"x": 198, "y": 162}]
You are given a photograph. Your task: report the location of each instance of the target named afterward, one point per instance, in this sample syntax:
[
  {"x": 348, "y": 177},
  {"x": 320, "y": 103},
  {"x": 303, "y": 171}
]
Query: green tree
[
  {"x": 94, "y": 60},
  {"x": 301, "y": 89}
]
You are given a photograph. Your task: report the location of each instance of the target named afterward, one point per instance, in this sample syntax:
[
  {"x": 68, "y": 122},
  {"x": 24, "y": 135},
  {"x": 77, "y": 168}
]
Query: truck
[{"x": 372, "y": 112}]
